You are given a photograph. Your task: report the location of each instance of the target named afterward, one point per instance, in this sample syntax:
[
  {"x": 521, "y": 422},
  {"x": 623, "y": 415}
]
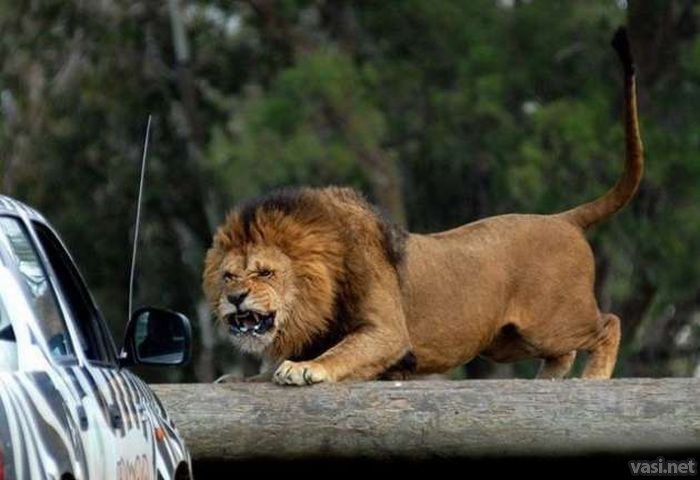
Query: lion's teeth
[{"x": 250, "y": 322}]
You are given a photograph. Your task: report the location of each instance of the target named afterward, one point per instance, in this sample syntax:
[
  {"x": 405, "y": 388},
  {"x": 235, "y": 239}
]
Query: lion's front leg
[
  {"x": 360, "y": 356},
  {"x": 378, "y": 344}
]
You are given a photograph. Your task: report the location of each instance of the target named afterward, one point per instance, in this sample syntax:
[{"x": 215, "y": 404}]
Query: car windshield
[{"x": 31, "y": 273}]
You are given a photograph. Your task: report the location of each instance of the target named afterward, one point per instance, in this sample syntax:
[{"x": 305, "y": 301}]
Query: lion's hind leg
[
  {"x": 557, "y": 367},
  {"x": 603, "y": 352}
]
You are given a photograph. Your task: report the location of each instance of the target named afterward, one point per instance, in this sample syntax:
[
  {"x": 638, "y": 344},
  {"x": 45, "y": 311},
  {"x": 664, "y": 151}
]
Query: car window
[
  {"x": 37, "y": 287},
  {"x": 8, "y": 342},
  {"x": 95, "y": 341}
]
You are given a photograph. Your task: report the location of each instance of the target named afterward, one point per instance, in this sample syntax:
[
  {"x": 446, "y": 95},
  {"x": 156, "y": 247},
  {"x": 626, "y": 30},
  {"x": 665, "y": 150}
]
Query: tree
[{"x": 442, "y": 112}]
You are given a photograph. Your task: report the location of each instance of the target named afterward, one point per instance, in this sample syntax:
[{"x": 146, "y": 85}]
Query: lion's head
[{"x": 271, "y": 274}]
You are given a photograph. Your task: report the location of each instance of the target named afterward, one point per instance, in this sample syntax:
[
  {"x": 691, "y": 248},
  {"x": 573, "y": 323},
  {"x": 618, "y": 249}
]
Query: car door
[
  {"x": 117, "y": 403},
  {"x": 43, "y": 413}
]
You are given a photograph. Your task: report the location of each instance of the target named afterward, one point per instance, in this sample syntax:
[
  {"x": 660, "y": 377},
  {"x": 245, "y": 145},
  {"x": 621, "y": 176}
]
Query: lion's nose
[{"x": 237, "y": 298}]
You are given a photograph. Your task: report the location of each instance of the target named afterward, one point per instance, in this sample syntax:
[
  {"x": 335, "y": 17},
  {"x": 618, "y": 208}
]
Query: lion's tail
[{"x": 590, "y": 213}]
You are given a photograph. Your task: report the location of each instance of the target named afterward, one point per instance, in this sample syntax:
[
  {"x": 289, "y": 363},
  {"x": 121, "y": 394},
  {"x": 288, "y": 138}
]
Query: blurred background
[{"x": 442, "y": 112}]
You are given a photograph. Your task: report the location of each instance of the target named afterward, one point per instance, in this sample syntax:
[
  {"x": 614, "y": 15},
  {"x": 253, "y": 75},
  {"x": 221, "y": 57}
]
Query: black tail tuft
[{"x": 621, "y": 44}]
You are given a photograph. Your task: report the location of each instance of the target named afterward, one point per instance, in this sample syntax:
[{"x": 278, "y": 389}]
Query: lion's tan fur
[{"x": 355, "y": 297}]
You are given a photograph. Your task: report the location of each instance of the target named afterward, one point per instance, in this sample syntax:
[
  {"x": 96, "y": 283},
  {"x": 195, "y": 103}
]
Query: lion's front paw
[{"x": 300, "y": 373}]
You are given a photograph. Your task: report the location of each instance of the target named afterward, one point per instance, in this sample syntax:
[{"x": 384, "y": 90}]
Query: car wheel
[{"x": 182, "y": 472}]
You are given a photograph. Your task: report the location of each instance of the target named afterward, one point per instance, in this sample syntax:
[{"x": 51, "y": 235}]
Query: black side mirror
[{"x": 155, "y": 336}]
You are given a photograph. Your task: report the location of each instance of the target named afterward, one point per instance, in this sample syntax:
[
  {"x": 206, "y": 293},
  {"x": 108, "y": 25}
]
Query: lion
[{"x": 324, "y": 289}]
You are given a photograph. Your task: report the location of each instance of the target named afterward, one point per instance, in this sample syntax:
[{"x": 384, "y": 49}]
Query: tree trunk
[
  {"x": 429, "y": 419},
  {"x": 196, "y": 190}
]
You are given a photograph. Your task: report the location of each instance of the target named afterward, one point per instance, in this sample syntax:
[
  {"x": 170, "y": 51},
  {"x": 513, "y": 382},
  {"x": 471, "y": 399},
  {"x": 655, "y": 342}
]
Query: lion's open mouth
[{"x": 250, "y": 322}]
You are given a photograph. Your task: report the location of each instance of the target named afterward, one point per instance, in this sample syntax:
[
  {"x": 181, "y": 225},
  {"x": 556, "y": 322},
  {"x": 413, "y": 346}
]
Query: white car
[{"x": 69, "y": 407}]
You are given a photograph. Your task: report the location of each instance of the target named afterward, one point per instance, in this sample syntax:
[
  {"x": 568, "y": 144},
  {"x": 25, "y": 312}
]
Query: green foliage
[{"x": 292, "y": 132}]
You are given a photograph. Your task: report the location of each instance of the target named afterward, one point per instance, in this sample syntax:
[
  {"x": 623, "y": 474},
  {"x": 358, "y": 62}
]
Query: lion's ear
[
  {"x": 210, "y": 275},
  {"x": 222, "y": 239},
  {"x": 225, "y": 235}
]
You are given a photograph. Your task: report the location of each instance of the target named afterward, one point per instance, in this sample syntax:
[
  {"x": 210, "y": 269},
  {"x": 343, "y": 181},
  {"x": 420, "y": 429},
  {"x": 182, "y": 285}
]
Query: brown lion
[{"x": 323, "y": 288}]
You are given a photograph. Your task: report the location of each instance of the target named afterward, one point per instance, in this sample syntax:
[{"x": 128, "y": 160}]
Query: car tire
[{"x": 182, "y": 472}]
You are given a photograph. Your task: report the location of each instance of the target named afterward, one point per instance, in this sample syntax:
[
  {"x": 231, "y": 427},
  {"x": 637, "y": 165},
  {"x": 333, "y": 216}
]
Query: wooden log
[{"x": 436, "y": 419}]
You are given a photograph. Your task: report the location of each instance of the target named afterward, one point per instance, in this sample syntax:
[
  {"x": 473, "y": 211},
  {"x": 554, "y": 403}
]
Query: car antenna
[{"x": 137, "y": 224}]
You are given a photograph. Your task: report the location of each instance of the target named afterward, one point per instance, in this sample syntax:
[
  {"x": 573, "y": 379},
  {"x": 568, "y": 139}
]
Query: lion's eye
[
  {"x": 228, "y": 276},
  {"x": 265, "y": 273}
]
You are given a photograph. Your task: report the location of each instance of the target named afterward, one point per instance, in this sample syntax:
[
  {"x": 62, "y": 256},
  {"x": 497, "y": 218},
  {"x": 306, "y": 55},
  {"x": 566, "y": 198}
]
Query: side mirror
[{"x": 155, "y": 336}]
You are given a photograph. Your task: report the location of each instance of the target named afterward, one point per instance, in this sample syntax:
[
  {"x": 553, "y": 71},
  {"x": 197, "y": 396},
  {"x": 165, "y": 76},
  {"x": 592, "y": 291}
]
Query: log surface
[{"x": 436, "y": 419}]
